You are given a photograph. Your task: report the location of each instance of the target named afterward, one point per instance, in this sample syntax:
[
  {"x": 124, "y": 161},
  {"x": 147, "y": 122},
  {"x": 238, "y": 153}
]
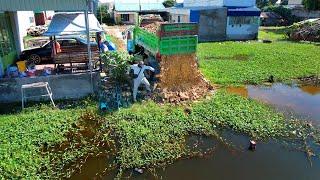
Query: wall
[
  {"x": 183, "y": 18},
  {"x": 23, "y": 20},
  {"x": 9, "y": 55},
  {"x": 239, "y": 3},
  {"x": 305, "y": 14},
  {"x": 294, "y": 2},
  {"x": 69, "y": 86},
  {"x": 202, "y": 3},
  {"x": 243, "y": 31},
  {"x": 212, "y": 24},
  {"x": 183, "y": 13},
  {"x": 234, "y": 3},
  {"x": 132, "y": 17}
]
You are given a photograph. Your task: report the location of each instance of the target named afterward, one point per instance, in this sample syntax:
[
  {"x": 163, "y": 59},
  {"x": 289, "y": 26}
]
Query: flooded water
[
  {"x": 298, "y": 101},
  {"x": 271, "y": 160}
]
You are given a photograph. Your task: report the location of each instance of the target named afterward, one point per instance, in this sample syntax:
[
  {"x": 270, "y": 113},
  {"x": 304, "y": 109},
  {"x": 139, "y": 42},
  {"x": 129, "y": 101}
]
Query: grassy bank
[
  {"x": 254, "y": 62},
  {"x": 147, "y": 134}
]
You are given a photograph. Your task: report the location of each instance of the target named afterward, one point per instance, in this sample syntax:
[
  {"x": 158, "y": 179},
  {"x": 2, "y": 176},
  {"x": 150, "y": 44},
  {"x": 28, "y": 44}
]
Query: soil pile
[
  {"x": 306, "y": 31},
  {"x": 180, "y": 79},
  {"x": 153, "y": 27}
]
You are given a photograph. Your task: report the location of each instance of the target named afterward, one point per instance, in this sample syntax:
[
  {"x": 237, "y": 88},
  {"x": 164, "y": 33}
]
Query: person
[
  {"x": 102, "y": 46},
  {"x": 139, "y": 77}
]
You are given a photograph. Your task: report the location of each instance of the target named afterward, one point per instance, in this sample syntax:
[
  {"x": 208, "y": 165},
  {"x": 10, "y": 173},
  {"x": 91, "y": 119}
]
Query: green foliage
[
  {"x": 283, "y": 11},
  {"x": 263, "y": 3},
  {"x": 104, "y": 16},
  {"x": 283, "y": 60},
  {"x": 274, "y": 33},
  {"x": 153, "y": 135},
  {"x": 22, "y": 136},
  {"x": 169, "y": 3},
  {"x": 146, "y": 134},
  {"x": 311, "y": 4},
  {"x": 116, "y": 65}
]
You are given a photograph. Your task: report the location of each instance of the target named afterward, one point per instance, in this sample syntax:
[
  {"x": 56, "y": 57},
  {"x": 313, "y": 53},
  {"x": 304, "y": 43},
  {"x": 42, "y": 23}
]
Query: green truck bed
[{"x": 171, "y": 39}]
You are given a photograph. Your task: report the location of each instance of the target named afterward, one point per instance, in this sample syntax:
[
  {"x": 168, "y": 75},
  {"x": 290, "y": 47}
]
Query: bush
[
  {"x": 311, "y": 4},
  {"x": 286, "y": 13},
  {"x": 169, "y": 3},
  {"x": 116, "y": 65}
]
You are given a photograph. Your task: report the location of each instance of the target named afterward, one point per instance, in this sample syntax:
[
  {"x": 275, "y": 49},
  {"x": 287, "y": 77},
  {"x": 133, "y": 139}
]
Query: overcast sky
[{"x": 179, "y": 1}]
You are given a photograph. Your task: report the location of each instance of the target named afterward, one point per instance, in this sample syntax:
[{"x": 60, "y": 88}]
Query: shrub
[
  {"x": 311, "y": 4},
  {"x": 286, "y": 13},
  {"x": 116, "y": 65}
]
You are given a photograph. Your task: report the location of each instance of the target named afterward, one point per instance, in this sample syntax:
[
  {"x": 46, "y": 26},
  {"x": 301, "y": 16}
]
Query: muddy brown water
[{"x": 276, "y": 160}]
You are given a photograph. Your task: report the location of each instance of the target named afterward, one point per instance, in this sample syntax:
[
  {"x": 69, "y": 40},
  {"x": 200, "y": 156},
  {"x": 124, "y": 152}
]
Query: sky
[{"x": 103, "y": 1}]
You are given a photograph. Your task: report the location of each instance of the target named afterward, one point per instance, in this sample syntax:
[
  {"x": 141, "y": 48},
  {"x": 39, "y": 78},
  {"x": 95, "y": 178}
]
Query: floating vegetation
[{"x": 45, "y": 143}]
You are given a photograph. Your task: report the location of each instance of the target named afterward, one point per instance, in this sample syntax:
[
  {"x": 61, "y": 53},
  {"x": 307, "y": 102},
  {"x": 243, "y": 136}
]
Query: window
[
  {"x": 6, "y": 36},
  {"x": 179, "y": 19},
  {"x": 125, "y": 17},
  {"x": 242, "y": 20}
]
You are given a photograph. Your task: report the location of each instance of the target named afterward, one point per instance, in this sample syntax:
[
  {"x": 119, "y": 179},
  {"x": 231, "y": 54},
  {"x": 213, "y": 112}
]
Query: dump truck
[
  {"x": 167, "y": 39},
  {"x": 171, "y": 49}
]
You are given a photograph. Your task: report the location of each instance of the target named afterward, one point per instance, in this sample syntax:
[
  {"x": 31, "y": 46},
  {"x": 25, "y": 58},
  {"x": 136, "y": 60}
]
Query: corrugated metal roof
[
  {"x": 41, "y": 5},
  {"x": 136, "y": 7}
]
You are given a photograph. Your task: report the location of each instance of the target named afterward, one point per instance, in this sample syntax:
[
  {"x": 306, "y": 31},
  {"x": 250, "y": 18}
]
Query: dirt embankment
[{"x": 180, "y": 79}]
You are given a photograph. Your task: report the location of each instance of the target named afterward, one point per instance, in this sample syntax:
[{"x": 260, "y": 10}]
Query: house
[
  {"x": 295, "y": 3},
  {"x": 127, "y": 11},
  {"x": 109, "y": 4},
  {"x": 10, "y": 43},
  {"x": 220, "y": 19}
]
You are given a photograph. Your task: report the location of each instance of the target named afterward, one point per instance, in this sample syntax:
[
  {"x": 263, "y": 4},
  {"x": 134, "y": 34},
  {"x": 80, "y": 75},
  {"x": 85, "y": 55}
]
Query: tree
[
  {"x": 264, "y": 3},
  {"x": 311, "y": 4},
  {"x": 103, "y": 15},
  {"x": 169, "y": 3}
]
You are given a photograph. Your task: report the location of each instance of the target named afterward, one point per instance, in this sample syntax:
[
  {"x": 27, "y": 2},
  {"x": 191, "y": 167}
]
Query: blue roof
[
  {"x": 136, "y": 7},
  {"x": 251, "y": 11}
]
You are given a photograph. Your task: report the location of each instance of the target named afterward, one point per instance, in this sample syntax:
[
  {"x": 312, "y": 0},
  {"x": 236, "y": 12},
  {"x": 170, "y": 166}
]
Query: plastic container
[
  {"x": 12, "y": 72},
  {"x": 22, "y": 66},
  {"x": 31, "y": 73}
]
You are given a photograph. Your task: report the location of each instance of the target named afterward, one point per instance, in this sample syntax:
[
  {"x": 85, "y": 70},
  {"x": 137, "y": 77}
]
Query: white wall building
[
  {"x": 230, "y": 3},
  {"x": 220, "y": 19},
  {"x": 24, "y": 19},
  {"x": 294, "y": 2}
]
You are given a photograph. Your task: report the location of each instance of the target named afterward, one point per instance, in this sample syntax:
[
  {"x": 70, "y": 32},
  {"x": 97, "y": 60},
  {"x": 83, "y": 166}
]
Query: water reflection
[{"x": 302, "y": 102}]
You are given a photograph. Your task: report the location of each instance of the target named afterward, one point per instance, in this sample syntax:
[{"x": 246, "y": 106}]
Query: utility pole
[{"x": 100, "y": 14}]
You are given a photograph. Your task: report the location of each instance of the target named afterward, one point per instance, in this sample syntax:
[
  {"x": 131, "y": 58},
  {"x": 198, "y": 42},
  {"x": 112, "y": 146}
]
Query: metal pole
[
  {"x": 88, "y": 42},
  {"x": 100, "y": 15}
]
